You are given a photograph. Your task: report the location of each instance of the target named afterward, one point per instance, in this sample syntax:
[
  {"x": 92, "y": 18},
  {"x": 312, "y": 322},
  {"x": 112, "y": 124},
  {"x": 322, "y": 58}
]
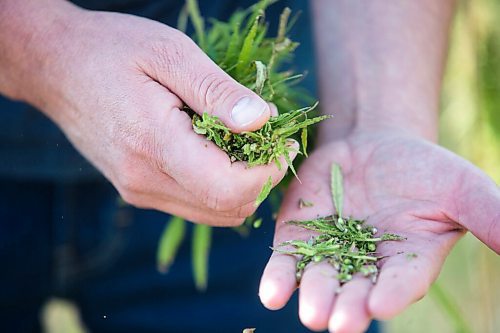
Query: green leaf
[
  {"x": 202, "y": 236},
  {"x": 450, "y": 307},
  {"x": 337, "y": 189},
  {"x": 246, "y": 49},
  {"x": 290, "y": 165},
  {"x": 303, "y": 138},
  {"x": 261, "y": 76},
  {"x": 392, "y": 237},
  {"x": 266, "y": 189},
  {"x": 170, "y": 241},
  {"x": 257, "y": 223},
  {"x": 234, "y": 44}
]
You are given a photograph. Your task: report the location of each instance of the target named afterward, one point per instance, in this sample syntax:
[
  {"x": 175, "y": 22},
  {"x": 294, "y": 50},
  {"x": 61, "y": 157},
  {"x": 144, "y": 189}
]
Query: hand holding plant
[
  {"x": 116, "y": 85},
  {"x": 402, "y": 185}
]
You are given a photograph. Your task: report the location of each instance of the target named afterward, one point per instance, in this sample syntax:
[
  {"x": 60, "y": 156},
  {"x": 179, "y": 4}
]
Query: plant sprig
[
  {"x": 348, "y": 244},
  {"x": 263, "y": 146},
  {"x": 241, "y": 47}
]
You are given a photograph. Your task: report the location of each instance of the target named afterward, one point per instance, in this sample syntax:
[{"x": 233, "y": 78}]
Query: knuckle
[
  {"x": 216, "y": 88},
  {"x": 223, "y": 198},
  {"x": 223, "y": 203}
]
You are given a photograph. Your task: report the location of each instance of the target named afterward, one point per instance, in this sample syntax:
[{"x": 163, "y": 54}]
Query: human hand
[
  {"x": 401, "y": 184},
  {"x": 116, "y": 83}
]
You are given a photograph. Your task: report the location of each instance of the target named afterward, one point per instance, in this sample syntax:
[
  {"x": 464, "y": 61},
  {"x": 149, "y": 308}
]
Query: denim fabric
[{"x": 75, "y": 240}]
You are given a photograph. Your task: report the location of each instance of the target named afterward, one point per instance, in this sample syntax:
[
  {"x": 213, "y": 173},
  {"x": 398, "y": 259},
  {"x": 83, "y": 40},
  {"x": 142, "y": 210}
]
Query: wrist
[
  {"x": 407, "y": 117},
  {"x": 30, "y": 41}
]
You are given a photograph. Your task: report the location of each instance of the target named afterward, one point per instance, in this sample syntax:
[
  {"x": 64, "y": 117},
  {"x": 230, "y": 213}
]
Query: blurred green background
[{"x": 470, "y": 126}]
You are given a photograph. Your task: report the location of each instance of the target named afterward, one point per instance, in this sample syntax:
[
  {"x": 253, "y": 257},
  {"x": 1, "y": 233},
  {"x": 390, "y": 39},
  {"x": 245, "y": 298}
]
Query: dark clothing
[
  {"x": 64, "y": 233},
  {"x": 77, "y": 241}
]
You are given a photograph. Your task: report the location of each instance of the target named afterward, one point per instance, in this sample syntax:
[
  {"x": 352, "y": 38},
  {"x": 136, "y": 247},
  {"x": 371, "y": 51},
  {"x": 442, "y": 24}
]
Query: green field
[{"x": 470, "y": 126}]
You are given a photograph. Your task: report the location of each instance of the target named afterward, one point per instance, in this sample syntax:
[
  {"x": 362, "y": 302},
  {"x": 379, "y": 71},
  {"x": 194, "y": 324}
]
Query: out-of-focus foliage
[
  {"x": 470, "y": 119},
  {"x": 470, "y": 126}
]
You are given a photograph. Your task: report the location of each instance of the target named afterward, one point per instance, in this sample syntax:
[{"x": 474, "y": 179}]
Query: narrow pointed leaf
[
  {"x": 202, "y": 237},
  {"x": 266, "y": 189},
  {"x": 303, "y": 138},
  {"x": 246, "y": 49},
  {"x": 337, "y": 188},
  {"x": 170, "y": 241},
  {"x": 261, "y": 76},
  {"x": 198, "y": 22}
]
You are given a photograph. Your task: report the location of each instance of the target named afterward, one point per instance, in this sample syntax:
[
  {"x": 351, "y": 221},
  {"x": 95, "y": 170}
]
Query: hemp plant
[
  {"x": 348, "y": 244},
  {"x": 241, "y": 46}
]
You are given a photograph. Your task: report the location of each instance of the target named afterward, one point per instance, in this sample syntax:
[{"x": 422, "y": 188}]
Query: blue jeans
[{"x": 75, "y": 240}]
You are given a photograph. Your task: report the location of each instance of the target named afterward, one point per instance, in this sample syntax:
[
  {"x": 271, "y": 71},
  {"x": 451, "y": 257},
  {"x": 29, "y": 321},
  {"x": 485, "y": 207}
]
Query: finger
[
  {"x": 198, "y": 165},
  {"x": 278, "y": 281},
  {"x": 199, "y": 216},
  {"x": 318, "y": 287},
  {"x": 478, "y": 208},
  {"x": 350, "y": 313},
  {"x": 203, "y": 169},
  {"x": 406, "y": 277},
  {"x": 161, "y": 192},
  {"x": 279, "y": 278},
  {"x": 274, "y": 109},
  {"x": 188, "y": 72}
]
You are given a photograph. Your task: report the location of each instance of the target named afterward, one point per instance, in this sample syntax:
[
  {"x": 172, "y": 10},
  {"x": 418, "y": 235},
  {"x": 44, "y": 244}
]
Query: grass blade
[
  {"x": 450, "y": 307},
  {"x": 182, "y": 20},
  {"x": 266, "y": 189},
  {"x": 202, "y": 237},
  {"x": 246, "y": 49},
  {"x": 198, "y": 22},
  {"x": 303, "y": 138},
  {"x": 170, "y": 241},
  {"x": 234, "y": 44},
  {"x": 261, "y": 77},
  {"x": 337, "y": 189}
]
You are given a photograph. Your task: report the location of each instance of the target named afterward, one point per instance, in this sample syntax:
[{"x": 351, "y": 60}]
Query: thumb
[
  {"x": 478, "y": 204},
  {"x": 191, "y": 75}
]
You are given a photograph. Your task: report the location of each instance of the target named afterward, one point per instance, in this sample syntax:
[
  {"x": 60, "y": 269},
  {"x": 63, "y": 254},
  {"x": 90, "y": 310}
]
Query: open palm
[{"x": 400, "y": 184}]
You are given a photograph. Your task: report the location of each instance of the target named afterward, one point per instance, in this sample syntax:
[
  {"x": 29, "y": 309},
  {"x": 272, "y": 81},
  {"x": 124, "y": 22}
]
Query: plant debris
[
  {"x": 243, "y": 49},
  {"x": 304, "y": 203},
  {"x": 348, "y": 244},
  {"x": 263, "y": 146}
]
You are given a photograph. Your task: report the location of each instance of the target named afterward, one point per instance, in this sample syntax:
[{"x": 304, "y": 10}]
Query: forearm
[
  {"x": 30, "y": 39},
  {"x": 380, "y": 64}
]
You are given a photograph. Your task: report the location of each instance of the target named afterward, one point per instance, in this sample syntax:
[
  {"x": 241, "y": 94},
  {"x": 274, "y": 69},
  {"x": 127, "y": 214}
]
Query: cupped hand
[
  {"x": 400, "y": 184},
  {"x": 116, "y": 85}
]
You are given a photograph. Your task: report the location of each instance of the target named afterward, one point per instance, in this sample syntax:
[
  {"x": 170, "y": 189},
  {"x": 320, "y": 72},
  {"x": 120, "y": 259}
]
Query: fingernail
[{"x": 247, "y": 110}]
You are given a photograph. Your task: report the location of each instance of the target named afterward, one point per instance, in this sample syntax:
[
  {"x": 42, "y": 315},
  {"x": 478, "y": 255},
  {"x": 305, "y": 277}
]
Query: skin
[
  {"x": 381, "y": 67},
  {"x": 115, "y": 84}
]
